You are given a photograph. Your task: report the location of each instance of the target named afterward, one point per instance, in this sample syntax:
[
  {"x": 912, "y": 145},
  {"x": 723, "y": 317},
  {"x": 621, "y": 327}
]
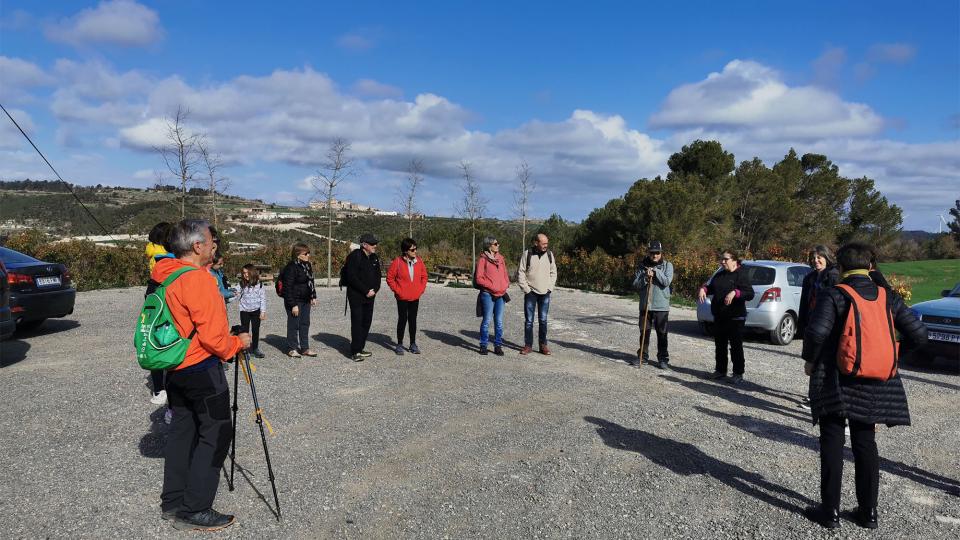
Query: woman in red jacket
[
  {"x": 493, "y": 281},
  {"x": 407, "y": 278}
]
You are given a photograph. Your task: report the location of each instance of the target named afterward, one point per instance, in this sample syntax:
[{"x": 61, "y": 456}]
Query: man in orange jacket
[{"x": 197, "y": 389}]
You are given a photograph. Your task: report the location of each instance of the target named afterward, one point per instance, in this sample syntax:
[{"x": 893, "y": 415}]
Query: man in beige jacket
[{"x": 537, "y": 278}]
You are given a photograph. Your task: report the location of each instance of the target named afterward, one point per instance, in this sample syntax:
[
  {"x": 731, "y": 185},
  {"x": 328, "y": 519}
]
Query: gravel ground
[{"x": 450, "y": 444}]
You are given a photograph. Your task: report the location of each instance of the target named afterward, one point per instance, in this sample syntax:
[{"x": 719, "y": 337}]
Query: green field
[{"x": 928, "y": 278}]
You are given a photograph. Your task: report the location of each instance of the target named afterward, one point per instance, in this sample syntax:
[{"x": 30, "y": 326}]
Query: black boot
[
  {"x": 826, "y": 517},
  {"x": 208, "y": 520},
  {"x": 867, "y": 517}
]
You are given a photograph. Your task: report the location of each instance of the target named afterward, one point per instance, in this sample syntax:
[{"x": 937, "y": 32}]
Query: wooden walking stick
[{"x": 646, "y": 313}]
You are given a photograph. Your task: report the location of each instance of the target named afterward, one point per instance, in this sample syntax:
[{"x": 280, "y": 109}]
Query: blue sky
[{"x": 592, "y": 97}]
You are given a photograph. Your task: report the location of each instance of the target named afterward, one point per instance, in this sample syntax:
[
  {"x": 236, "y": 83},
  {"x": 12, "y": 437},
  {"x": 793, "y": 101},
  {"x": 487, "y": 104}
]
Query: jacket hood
[{"x": 165, "y": 267}]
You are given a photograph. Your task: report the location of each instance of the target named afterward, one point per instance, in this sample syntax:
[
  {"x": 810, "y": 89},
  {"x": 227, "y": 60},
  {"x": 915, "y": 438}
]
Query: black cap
[
  {"x": 655, "y": 247},
  {"x": 368, "y": 238}
]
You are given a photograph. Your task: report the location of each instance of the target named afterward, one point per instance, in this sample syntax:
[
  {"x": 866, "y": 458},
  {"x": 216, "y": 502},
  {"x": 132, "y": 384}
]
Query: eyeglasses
[
  {"x": 725, "y": 259},
  {"x": 495, "y": 243},
  {"x": 306, "y": 253}
]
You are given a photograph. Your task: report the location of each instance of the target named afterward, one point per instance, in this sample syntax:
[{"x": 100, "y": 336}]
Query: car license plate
[
  {"x": 941, "y": 336},
  {"x": 48, "y": 281}
]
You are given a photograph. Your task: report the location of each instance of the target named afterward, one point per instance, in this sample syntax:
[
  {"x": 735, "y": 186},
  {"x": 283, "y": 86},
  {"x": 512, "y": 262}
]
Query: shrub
[
  {"x": 97, "y": 267},
  {"x": 901, "y": 286}
]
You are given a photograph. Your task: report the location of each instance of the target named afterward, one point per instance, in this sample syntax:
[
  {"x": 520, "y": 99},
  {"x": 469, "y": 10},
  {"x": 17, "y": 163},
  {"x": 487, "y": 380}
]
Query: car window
[
  {"x": 760, "y": 275},
  {"x": 10, "y": 256},
  {"x": 795, "y": 275}
]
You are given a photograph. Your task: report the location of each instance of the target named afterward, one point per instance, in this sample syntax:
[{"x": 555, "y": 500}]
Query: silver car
[{"x": 776, "y": 301}]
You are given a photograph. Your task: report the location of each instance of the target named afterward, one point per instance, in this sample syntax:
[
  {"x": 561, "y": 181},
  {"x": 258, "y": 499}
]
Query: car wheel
[
  {"x": 785, "y": 330},
  {"x": 706, "y": 328}
]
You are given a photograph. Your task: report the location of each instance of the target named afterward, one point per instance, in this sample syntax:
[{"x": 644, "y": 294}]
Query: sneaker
[
  {"x": 664, "y": 365},
  {"x": 208, "y": 520},
  {"x": 716, "y": 375},
  {"x": 357, "y": 357},
  {"x": 258, "y": 354},
  {"x": 160, "y": 398},
  {"x": 736, "y": 378},
  {"x": 498, "y": 350},
  {"x": 365, "y": 353},
  {"x": 168, "y": 417},
  {"x": 293, "y": 353},
  {"x": 526, "y": 350},
  {"x": 169, "y": 515},
  {"x": 544, "y": 349},
  {"x": 399, "y": 350},
  {"x": 414, "y": 349},
  {"x": 309, "y": 352},
  {"x": 483, "y": 350}
]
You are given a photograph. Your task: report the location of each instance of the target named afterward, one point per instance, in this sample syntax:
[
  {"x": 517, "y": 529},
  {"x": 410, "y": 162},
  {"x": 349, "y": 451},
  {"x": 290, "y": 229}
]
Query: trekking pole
[
  {"x": 646, "y": 313},
  {"x": 233, "y": 438},
  {"x": 248, "y": 374}
]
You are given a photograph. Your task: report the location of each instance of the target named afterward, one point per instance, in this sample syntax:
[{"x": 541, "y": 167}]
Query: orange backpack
[{"x": 868, "y": 345}]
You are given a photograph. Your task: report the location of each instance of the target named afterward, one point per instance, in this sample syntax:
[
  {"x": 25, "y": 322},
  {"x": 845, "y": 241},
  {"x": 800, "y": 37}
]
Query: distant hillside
[{"x": 917, "y": 236}]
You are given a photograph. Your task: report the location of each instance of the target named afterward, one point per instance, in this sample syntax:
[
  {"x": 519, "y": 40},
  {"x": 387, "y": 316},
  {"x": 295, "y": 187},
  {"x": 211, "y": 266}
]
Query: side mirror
[{"x": 945, "y": 292}]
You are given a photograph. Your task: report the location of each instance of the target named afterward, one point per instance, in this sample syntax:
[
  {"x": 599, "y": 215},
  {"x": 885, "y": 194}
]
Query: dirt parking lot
[{"x": 450, "y": 444}]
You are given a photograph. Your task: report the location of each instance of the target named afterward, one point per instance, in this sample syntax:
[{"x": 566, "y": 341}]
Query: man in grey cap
[
  {"x": 362, "y": 278},
  {"x": 656, "y": 273}
]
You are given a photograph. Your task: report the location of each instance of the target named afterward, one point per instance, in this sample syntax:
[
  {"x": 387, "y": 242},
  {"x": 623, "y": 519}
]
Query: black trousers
[
  {"x": 157, "y": 377},
  {"x": 250, "y": 323},
  {"x": 728, "y": 331},
  {"x": 407, "y": 314},
  {"x": 656, "y": 320},
  {"x": 866, "y": 461},
  {"x": 198, "y": 439},
  {"x": 298, "y": 327},
  {"x": 361, "y": 316}
]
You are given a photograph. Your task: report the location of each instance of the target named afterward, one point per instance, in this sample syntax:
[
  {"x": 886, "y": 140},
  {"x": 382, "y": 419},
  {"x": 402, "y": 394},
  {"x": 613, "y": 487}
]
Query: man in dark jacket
[
  {"x": 362, "y": 274},
  {"x": 836, "y": 399}
]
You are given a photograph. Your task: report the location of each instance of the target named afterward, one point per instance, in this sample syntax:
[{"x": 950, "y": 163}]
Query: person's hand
[
  {"x": 729, "y": 297},
  {"x": 263, "y": 316},
  {"x": 295, "y": 311},
  {"x": 244, "y": 340},
  {"x": 808, "y": 368},
  {"x": 371, "y": 293},
  {"x": 649, "y": 272},
  {"x": 313, "y": 301},
  {"x": 702, "y": 296}
]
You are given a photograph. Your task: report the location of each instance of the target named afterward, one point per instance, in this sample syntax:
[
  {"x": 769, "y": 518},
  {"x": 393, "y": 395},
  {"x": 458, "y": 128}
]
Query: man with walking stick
[
  {"x": 653, "y": 278},
  {"x": 197, "y": 388}
]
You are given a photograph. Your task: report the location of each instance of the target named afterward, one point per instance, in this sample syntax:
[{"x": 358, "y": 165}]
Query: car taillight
[
  {"x": 66, "y": 277},
  {"x": 14, "y": 279},
  {"x": 772, "y": 295}
]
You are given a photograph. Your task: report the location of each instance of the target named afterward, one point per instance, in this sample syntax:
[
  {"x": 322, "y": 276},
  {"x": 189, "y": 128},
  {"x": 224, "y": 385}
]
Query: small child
[
  {"x": 216, "y": 268},
  {"x": 253, "y": 305}
]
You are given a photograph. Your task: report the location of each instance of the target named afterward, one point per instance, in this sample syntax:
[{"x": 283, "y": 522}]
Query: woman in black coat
[
  {"x": 731, "y": 290},
  {"x": 299, "y": 295},
  {"x": 836, "y": 399},
  {"x": 825, "y": 275}
]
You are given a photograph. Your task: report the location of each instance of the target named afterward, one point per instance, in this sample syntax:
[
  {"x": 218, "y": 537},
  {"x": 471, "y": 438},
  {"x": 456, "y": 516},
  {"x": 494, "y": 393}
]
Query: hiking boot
[
  {"x": 293, "y": 353},
  {"x": 483, "y": 350},
  {"x": 399, "y": 350},
  {"x": 526, "y": 350},
  {"x": 716, "y": 375},
  {"x": 414, "y": 349},
  {"x": 309, "y": 352},
  {"x": 356, "y": 357},
  {"x": 160, "y": 398},
  {"x": 664, "y": 365},
  {"x": 208, "y": 520},
  {"x": 826, "y": 517},
  {"x": 365, "y": 353},
  {"x": 257, "y": 354},
  {"x": 736, "y": 378},
  {"x": 498, "y": 350},
  {"x": 867, "y": 517},
  {"x": 544, "y": 349}
]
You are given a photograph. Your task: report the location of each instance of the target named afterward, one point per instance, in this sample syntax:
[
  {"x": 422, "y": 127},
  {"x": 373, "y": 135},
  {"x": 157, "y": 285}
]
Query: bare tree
[
  {"x": 337, "y": 168},
  {"x": 217, "y": 183},
  {"x": 521, "y": 197},
  {"x": 472, "y": 206},
  {"x": 180, "y": 153},
  {"x": 408, "y": 192}
]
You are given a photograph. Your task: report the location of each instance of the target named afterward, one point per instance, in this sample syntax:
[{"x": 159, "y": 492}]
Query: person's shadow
[
  {"x": 609, "y": 354},
  {"x": 152, "y": 443},
  {"x": 744, "y": 398},
  {"x": 336, "y": 342},
  {"x": 686, "y": 459},
  {"x": 451, "y": 340}
]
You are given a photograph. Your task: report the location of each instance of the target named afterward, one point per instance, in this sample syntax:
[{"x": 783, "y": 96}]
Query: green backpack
[{"x": 158, "y": 344}]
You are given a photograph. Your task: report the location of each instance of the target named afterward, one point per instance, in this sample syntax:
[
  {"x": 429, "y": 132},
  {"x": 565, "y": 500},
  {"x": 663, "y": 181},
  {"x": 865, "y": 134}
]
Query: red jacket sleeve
[{"x": 392, "y": 275}]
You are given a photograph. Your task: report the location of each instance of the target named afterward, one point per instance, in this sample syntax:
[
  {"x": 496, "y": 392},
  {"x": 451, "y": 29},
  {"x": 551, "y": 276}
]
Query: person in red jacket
[
  {"x": 407, "y": 278},
  {"x": 490, "y": 276}
]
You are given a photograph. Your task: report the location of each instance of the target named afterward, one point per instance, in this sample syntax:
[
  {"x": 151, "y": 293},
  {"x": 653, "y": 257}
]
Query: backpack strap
[
  {"x": 847, "y": 292},
  {"x": 173, "y": 277}
]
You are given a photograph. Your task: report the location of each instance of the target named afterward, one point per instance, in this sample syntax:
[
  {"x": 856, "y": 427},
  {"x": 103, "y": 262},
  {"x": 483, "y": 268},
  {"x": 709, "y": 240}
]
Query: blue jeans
[
  {"x": 539, "y": 303},
  {"x": 491, "y": 308}
]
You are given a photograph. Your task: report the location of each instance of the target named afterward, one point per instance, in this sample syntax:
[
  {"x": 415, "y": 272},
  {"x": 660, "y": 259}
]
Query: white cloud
[
  {"x": 372, "y": 88},
  {"x": 114, "y": 22},
  {"x": 306, "y": 184},
  {"x": 747, "y": 96},
  {"x": 827, "y": 66},
  {"x": 893, "y": 53},
  {"x": 10, "y": 136},
  {"x": 355, "y": 42},
  {"x": 18, "y": 77}
]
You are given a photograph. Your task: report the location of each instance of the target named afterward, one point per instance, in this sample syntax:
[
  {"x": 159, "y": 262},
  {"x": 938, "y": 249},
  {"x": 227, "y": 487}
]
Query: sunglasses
[
  {"x": 495, "y": 244},
  {"x": 412, "y": 249}
]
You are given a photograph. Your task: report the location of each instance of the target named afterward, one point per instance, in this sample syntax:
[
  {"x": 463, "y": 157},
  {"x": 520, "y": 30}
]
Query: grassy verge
[{"x": 927, "y": 278}]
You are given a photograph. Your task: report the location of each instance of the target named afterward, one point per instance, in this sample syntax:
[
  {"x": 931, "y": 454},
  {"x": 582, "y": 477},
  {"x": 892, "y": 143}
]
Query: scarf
[{"x": 308, "y": 269}]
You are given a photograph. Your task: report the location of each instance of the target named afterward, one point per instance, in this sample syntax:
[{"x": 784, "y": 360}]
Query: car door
[{"x": 795, "y": 275}]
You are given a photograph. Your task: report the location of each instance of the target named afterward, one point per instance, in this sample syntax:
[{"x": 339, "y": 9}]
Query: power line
[{"x": 69, "y": 186}]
